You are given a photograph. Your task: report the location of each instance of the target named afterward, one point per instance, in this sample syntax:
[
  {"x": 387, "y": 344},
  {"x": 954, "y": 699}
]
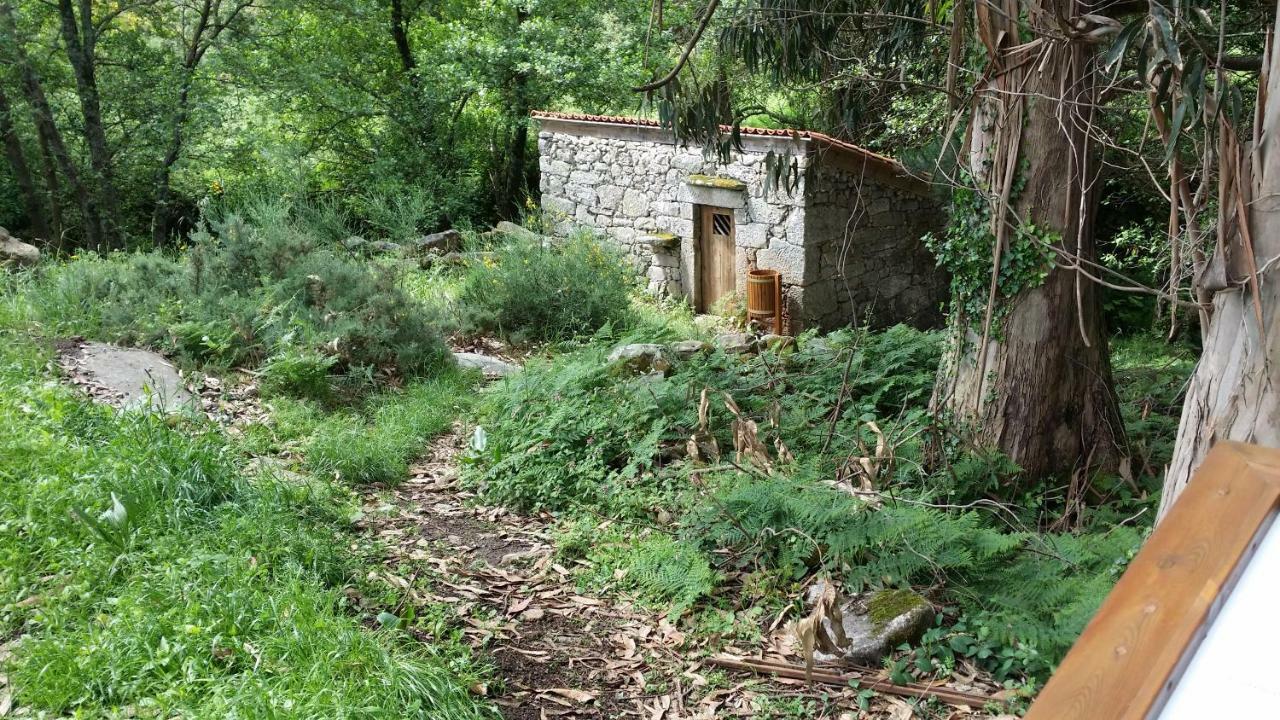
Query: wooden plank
[{"x": 1129, "y": 655}]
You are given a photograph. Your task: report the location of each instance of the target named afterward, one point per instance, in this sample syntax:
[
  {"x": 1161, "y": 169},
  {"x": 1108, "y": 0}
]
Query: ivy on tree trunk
[{"x": 1032, "y": 378}]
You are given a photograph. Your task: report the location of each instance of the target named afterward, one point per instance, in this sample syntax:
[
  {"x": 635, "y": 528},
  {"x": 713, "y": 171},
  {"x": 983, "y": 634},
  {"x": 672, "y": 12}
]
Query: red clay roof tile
[{"x": 875, "y": 159}]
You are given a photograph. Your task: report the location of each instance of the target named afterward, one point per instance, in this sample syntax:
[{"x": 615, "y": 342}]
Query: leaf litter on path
[{"x": 557, "y": 652}]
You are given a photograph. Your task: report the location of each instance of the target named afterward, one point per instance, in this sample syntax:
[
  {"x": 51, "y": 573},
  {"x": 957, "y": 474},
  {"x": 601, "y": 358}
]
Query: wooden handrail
[{"x": 1131, "y": 654}]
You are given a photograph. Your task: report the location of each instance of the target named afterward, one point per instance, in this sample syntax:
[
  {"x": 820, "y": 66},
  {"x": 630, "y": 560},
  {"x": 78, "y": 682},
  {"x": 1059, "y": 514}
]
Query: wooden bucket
[{"x": 764, "y": 297}]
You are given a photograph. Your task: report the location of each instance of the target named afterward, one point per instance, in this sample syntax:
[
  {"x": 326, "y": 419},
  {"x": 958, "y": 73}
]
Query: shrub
[
  {"x": 664, "y": 570},
  {"x": 569, "y": 433},
  {"x": 302, "y": 372},
  {"x": 352, "y": 310},
  {"x": 251, "y": 288},
  {"x": 525, "y": 291}
]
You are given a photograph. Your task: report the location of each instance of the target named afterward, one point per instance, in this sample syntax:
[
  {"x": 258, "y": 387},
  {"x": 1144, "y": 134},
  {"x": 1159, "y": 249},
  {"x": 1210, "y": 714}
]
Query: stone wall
[
  {"x": 637, "y": 192},
  {"x": 847, "y": 246},
  {"x": 865, "y": 259}
]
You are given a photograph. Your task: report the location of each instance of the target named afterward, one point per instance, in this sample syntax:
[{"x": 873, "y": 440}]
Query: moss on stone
[
  {"x": 664, "y": 240},
  {"x": 885, "y": 605},
  {"x": 723, "y": 183}
]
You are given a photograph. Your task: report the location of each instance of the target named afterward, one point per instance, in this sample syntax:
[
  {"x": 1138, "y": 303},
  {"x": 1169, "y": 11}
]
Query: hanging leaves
[{"x": 1111, "y": 61}]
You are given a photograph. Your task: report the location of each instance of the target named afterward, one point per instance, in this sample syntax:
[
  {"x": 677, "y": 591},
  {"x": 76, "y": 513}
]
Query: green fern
[
  {"x": 1030, "y": 590},
  {"x": 663, "y": 570}
]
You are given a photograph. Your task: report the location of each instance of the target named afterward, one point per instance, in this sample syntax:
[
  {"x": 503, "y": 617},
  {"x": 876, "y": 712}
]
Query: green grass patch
[
  {"x": 143, "y": 573},
  {"x": 376, "y": 446}
]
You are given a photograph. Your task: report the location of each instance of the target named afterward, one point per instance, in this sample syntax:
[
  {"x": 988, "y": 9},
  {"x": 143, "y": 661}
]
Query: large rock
[
  {"x": 516, "y": 231},
  {"x": 354, "y": 243},
  {"x": 135, "y": 378},
  {"x": 386, "y": 246},
  {"x": 876, "y": 623},
  {"x": 491, "y": 366},
  {"x": 13, "y": 250},
  {"x": 442, "y": 242},
  {"x": 688, "y": 349},
  {"x": 639, "y": 359},
  {"x": 735, "y": 343},
  {"x": 778, "y": 343}
]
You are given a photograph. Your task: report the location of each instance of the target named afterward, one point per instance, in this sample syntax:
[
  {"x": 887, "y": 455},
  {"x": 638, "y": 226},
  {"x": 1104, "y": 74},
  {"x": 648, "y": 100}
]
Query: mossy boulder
[
  {"x": 876, "y": 623},
  {"x": 885, "y": 606},
  {"x": 639, "y": 359}
]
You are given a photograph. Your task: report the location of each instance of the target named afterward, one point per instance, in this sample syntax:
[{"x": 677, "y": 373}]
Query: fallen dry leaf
[{"x": 578, "y": 696}]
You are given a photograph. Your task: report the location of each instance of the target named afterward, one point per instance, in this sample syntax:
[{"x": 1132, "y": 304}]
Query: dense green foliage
[
  {"x": 964, "y": 252},
  {"x": 575, "y": 438},
  {"x": 531, "y": 291},
  {"x": 603, "y": 447},
  {"x": 263, "y": 289},
  {"x": 147, "y": 572},
  {"x": 414, "y": 112}
]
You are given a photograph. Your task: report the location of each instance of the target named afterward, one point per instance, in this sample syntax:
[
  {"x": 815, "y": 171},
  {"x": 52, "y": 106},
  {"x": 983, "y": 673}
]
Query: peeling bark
[
  {"x": 1040, "y": 390},
  {"x": 1235, "y": 391}
]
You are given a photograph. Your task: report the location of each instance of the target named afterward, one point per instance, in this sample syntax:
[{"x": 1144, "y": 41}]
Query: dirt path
[
  {"x": 561, "y": 653},
  {"x": 558, "y": 653}
]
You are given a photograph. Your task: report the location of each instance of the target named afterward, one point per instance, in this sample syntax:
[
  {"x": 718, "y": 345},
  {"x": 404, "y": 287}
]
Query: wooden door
[{"x": 717, "y": 259}]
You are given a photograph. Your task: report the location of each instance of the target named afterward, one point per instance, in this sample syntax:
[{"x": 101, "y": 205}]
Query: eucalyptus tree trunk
[
  {"x": 32, "y": 202},
  {"x": 1032, "y": 377},
  {"x": 1235, "y": 391}
]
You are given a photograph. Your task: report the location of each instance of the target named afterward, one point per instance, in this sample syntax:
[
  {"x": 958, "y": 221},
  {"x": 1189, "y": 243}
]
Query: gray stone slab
[
  {"x": 487, "y": 364},
  {"x": 141, "y": 378}
]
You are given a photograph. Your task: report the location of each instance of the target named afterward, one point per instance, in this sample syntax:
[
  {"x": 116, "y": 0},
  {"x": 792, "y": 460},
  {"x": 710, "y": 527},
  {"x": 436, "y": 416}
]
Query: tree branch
[{"x": 688, "y": 50}]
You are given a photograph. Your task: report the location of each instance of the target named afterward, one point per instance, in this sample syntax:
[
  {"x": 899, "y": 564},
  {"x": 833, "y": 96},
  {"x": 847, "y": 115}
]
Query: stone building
[{"x": 845, "y": 233}]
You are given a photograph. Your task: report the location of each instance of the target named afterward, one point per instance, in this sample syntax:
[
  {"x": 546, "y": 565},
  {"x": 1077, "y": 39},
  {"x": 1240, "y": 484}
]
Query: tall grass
[
  {"x": 142, "y": 573},
  {"x": 376, "y": 446}
]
